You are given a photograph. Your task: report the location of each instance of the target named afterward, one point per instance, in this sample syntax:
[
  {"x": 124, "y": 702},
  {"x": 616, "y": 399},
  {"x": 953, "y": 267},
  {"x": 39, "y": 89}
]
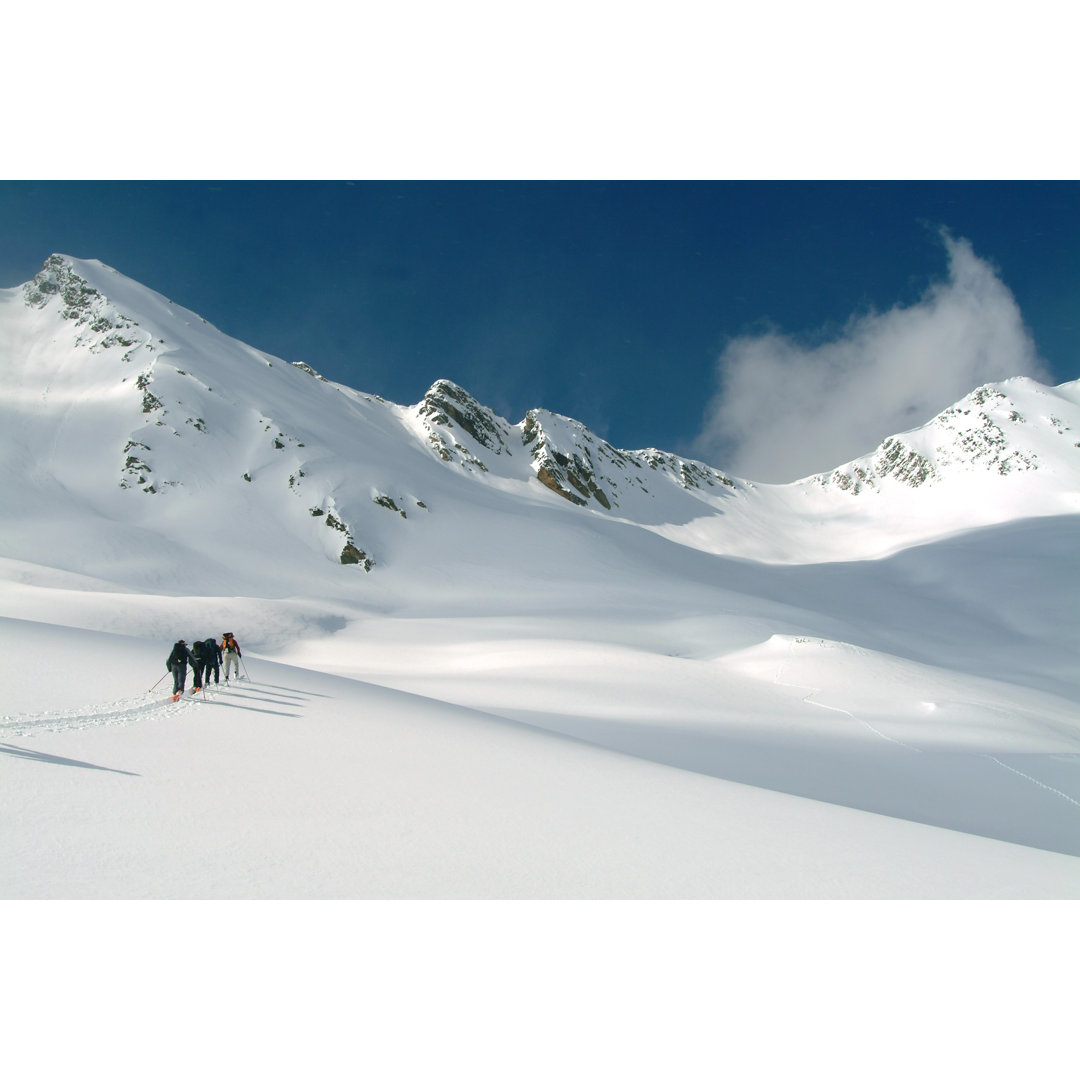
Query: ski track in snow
[
  {"x": 132, "y": 710},
  {"x": 857, "y": 719},
  {"x": 834, "y": 708},
  {"x": 1038, "y": 783},
  {"x": 899, "y": 742}
]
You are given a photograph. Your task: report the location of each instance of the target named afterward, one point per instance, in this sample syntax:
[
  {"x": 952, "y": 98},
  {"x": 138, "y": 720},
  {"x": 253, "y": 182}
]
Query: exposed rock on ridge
[
  {"x": 985, "y": 431},
  {"x": 585, "y": 469},
  {"x": 81, "y": 303},
  {"x": 565, "y": 456},
  {"x": 570, "y": 471},
  {"x": 447, "y": 408}
]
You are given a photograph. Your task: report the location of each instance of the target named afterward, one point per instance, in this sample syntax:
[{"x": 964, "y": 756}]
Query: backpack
[{"x": 230, "y": 643}]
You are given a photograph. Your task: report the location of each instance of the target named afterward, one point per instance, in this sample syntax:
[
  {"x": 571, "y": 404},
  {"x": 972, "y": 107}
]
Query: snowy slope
[
  {"x": 300, "y": 785},
  {"x": 869, "y": 659}
]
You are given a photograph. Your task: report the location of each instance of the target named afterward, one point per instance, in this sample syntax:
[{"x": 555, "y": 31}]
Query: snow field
[{"x": 302, "y": 785}]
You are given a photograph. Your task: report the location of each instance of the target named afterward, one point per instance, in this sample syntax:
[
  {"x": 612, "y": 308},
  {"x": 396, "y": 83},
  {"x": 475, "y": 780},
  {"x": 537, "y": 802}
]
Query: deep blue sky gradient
[{"x": 608, "y": 302}]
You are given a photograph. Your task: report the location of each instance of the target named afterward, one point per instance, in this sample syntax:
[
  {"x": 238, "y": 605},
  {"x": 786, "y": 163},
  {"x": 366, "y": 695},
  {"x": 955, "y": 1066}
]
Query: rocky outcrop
[
  {"x": 454, "y": 419},
  {"x": 569, "y": 471},
  {"x": 309, "y": 370},
  {"x": 691, "y": 475},
  {"x": 565, "y": 456},
  {"x": 982, "y": 432},
  {"x": 894, "y": 458},
  {"x": 588, "y": 471},
  {"x": 81, "y": 303},
  {"x": 351, "y": 555}
]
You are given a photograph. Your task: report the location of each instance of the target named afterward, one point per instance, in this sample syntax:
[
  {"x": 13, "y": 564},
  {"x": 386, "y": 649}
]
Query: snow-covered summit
[{"x": 1017, "y": 425}]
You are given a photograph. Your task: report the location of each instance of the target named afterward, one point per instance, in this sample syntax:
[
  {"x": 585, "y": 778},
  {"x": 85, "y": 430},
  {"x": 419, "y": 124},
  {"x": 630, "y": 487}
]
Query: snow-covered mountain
[
  {"x": 895, "y": 636},
  {"x": 136, "y": 408},
  {"x": 122, "y": 411}
]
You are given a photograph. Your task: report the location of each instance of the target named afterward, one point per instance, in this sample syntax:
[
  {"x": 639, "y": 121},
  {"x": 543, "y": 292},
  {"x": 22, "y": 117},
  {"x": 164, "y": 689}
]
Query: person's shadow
[{"x": 52, "y": 759}]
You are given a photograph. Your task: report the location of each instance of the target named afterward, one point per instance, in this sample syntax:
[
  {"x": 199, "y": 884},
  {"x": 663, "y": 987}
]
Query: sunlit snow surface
[{"x": 837, "y": 688}]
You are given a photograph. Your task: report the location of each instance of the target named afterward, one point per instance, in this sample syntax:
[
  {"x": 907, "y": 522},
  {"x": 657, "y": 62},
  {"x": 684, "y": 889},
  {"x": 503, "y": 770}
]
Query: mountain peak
[
  {"x": 78, "y": 299},
  {"x": 448, "y": 413},
  {"x": 1017, "y": 425}
]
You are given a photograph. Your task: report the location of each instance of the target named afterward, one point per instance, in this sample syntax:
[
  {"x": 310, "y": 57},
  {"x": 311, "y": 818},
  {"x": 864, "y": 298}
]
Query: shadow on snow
[{"x": 53, "y": 759}]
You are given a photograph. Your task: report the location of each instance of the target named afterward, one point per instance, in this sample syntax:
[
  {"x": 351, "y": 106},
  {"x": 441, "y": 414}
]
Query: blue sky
[{"x": 623, "y": 304}]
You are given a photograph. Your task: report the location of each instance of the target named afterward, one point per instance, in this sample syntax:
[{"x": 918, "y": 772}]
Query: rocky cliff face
[
  {"x": 459, "y": 428},
  {"x": 563, "y": 454},
  {"x": 588, "y": 471}
]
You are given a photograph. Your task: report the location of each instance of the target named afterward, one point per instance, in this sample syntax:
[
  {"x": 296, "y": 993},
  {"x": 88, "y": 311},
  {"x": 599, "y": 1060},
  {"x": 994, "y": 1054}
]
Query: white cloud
[{"x": 786, "y": 410}]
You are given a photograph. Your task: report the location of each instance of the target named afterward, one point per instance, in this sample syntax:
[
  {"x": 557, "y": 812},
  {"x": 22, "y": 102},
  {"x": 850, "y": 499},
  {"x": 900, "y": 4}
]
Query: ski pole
[
  {"x": 154, "y": 687},
  {"x": 244, "y": 666}
]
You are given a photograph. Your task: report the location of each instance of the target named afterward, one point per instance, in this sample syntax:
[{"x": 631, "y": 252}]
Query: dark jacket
[{"x": 181, "y": 655}]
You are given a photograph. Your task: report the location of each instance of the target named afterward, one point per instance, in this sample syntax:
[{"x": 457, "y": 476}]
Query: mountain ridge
[{"x": 93, "y": 358}]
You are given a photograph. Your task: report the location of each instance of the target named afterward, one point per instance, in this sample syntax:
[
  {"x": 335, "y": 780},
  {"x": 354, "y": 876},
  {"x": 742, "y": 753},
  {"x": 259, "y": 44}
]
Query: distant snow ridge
[{"x": 990, "y": 430}]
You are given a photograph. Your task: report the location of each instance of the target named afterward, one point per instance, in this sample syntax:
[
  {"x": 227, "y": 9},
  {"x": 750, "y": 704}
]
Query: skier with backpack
[
  {"x": 177, "y": 663},
  {"x": 199, "y": 652},
  {"x": 212, "y": 654},
  {"x": 231, "y": 648}
]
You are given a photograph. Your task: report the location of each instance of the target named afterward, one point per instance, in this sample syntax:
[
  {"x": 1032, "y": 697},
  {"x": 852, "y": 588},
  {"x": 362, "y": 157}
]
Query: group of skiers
[{"x": 205, "y": 659}]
